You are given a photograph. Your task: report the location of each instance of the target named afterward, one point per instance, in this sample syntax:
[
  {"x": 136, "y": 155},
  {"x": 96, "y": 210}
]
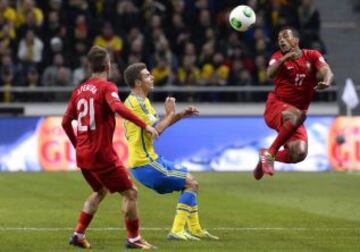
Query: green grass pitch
[{"x": 287, "y": 212}]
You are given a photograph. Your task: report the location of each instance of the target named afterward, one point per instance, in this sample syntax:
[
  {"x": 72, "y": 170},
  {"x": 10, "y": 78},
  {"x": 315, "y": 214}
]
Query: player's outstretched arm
[
  {"x": 189, "y": 111},
  {"x": 67, "y": 126},
  {"x": 326, "y": 76}
]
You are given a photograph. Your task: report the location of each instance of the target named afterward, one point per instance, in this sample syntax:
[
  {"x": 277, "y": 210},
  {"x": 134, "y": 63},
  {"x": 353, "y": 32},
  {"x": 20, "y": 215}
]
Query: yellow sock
[
  {"x": 193, "y": 221},
  {"x": 181, "y": 217}
]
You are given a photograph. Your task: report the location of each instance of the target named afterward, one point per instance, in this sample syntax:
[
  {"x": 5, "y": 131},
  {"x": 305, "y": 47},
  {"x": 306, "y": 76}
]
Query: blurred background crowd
[{"x": 184, "y": 42}]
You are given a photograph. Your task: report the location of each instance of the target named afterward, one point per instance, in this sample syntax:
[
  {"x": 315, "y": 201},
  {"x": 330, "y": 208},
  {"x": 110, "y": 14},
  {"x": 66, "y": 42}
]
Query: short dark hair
[
  {"x": 132, "y": 73},
  {"x": 97, "y": 59},
  {"x": 292, "y": 29}
]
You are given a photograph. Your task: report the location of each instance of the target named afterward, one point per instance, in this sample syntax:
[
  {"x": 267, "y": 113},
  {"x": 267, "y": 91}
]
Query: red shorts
[
  {"x": 114, "y": 178},
  {"x": 273, "y": 117}
]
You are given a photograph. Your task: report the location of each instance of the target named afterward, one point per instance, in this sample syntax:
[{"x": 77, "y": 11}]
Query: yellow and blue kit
[{"x": 145, "y": 164}]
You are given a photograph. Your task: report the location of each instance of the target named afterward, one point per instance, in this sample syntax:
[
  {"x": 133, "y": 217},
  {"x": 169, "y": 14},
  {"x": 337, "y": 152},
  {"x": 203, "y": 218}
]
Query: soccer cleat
[
  {"x": 81, "y": 243},
  {"x": 139, "y": 244},
  {"x": 204, "y": 234},
  {"x": 267, "y": 162},
  {"x": 190, "y": 236},
  {"x": 258, "y": 172},
  {"x": 181, "y": 236}
]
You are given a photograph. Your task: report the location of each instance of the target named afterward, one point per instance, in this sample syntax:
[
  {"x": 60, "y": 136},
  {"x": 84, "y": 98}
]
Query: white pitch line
[{"x": 100, "y": 229}]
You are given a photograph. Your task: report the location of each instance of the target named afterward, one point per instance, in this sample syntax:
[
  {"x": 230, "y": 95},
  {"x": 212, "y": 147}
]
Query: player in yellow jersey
[{"x": 152, "y": 170}]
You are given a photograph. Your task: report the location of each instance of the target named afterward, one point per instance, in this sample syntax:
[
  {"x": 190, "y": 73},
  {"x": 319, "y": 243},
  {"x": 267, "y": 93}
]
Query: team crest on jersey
[
  {"x": 115, "y": 95},
  {"x": 308, "y": 65}
]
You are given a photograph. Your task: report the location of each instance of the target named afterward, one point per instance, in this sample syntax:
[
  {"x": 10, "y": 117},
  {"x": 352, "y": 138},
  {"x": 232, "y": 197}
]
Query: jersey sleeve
[
  {"x": 141, "y": 110},
  {"x": 111, "y": 94},
  {"x": 274, "y": 58},
  {"x": 317, "y": 59}
]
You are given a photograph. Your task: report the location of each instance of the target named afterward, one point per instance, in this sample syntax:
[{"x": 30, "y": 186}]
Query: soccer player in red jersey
[
  {"x": 93, "y": 105},
  {"x": 296, "y": 73}
]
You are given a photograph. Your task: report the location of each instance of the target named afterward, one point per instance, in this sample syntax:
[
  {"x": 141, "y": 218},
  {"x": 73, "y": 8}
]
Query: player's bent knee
[
  {"x": 193, "y": 185},
  {"x": 101, "y": 194},
  {"x": 301, "y": 118},
  {"x": 131, "y": 194},
  {"x": 299, "y": 156}
]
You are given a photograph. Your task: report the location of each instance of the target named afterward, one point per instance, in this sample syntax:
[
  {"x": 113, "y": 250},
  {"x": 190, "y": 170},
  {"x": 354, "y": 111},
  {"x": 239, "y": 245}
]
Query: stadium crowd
[{"x": 184, "y": 42}]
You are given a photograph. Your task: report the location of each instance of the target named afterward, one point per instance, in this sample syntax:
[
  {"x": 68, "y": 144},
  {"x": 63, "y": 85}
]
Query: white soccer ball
[{"x": 242, "y": 18}]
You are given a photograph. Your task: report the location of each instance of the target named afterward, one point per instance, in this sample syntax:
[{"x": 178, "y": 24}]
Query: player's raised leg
[{"x": 292, "y": 118}]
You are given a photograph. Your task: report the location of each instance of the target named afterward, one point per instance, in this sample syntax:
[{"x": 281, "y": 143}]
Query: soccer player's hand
[
  {"x": 170, "y": 105},
  {"x": 154, "y": 133},
  {"x": 289, "y": 56},
  {"x": 321, "y": 86},
  {"x": 190, "y": 111}
]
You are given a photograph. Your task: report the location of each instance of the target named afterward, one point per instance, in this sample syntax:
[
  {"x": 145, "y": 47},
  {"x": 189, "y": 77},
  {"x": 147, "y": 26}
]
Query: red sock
[
  {"x": 285, "y": 132},
  {"x": 83, "y": 222},
  {"x": 283, "y": 156},
  {"x": 132, "y": 228}
]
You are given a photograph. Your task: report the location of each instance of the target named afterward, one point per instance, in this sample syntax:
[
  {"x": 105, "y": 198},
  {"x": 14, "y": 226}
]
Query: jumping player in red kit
[
  {"x": 93, "y": 105},
  {"x": 296, "y": 73}
]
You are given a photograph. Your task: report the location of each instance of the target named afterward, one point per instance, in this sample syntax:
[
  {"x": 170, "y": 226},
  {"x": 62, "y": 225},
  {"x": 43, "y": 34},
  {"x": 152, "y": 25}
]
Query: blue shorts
[{"x": 161, "y": 175}]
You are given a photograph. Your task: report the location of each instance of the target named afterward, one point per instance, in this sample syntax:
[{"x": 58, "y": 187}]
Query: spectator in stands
[
  {"x": 7, "y": 35},
  {"x": 178, "y": 34},
  {"x": 26, "y": 7},
  {"x": 199, "y": 29},
  {"x": 53, "y": 26},
  {"x": 192, "y": 33},
  {"x": 162, "y": 50},
  {"x": 215, "y": 72},
  {"x": 115, "y": 74},
  {"x": 80, "y": 73},
  {"x": 125, "y": 17},
  {"x": 7, "y": 80},
  {"x": 162, "y": 72},
  {"x": 30, "y": 48},
  {"x": 260, "y": 64},
  {"x": 309, "y": 24},
  {"x": 32, "y": 78},
  {"x": 109, "y": 40},
  {"x": 8, "y": 63},
  {"x": 207, "y": 53},
  {"x": 57, "y": 74},
  {"x": 7, "y": 12},
  {"x": 188, "y": 74},
  {"x": 136, "y": 51},
  {"x": 221, "y": 70}
]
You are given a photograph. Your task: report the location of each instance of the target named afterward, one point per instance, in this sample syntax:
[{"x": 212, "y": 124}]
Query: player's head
[
  {"x": 137, "y": 76},
  {"x": 99, "y": 60},
  {"x": 288, "y": 38}
]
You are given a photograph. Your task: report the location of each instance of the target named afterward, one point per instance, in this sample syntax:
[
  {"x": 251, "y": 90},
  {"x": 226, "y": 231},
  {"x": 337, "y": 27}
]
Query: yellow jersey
[{"x": 141, "y": 149}]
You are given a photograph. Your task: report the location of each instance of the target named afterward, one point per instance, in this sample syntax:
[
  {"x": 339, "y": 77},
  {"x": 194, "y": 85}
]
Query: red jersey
[
  {"x": 295, "y": 81},
  {"x": 94, "y": 104}
]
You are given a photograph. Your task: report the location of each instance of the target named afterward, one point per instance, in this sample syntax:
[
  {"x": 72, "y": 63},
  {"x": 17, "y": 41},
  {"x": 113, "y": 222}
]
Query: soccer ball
[{"x": 242, "y": 18}]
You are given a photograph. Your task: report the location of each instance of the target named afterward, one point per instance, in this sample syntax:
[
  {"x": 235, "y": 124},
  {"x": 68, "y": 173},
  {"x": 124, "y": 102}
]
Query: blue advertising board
[{"x": 209, "y": 143}]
